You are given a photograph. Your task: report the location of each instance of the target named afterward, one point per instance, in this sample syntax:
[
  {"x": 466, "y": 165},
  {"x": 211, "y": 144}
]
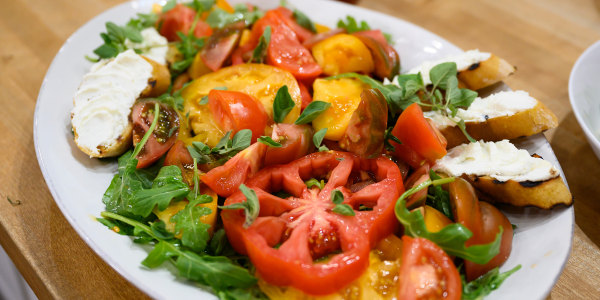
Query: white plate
[{"x": 542, "y": 240}]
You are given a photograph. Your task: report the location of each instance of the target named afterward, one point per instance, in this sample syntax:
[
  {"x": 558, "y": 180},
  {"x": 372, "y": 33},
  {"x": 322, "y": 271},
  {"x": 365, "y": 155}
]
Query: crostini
[
  {"x": 504, "y": 115},
  {"x": 102, "y": 105},
  {"x": 502, "y": 173},
  {"x": 476, "y": 70}
]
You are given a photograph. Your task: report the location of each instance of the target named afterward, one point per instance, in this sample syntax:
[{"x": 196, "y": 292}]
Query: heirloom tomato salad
[{"x": 265, "y": 155}]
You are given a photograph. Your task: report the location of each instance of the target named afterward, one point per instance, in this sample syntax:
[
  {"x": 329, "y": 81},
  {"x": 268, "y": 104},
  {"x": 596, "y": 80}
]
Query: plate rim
[{"x": 91, "y": 243}]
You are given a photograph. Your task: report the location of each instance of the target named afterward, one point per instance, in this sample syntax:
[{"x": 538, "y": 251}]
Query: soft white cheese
[
  {"x": 463, "y": 61},
  {"x": 104, "y": 99},
  {"x": 501, "y": 104},
  {"x": 153, "y": 46},
  {"x": 499, "y": 160}
]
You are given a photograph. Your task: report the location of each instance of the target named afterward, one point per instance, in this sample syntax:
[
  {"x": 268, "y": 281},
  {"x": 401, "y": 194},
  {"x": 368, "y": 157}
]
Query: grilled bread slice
[
  {"x": 476, "y": 70},
  {"x": 504, "y": 115},
  {"x": 504, "y": 174},
  {"x": 102, "y": 104}
]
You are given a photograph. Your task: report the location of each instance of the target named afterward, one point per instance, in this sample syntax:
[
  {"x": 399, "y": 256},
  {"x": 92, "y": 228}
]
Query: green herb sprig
[
  {"x": 251, "y": 206},
  {"x": 341, "y": 208},
  {"x": 451, "y": 238},
  {"x": 282, "y": 105},
  {"x": 318, "y": 139},
  {"x": 225, "y": 149}
]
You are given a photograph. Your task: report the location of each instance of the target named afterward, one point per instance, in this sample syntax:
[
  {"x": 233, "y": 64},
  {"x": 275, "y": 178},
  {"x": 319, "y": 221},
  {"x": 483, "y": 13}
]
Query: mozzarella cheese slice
[
  {"x": 463, "y": 61},
  {"x": 153, "y": 46}
]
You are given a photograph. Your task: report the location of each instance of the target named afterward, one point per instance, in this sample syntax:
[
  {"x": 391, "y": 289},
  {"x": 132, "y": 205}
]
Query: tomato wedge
[
  {"x": 163, "y": 137},
  {"x": 285, "y": 50},
  {"x": 296, "y": 141},
  {"x": 298, "y": 240},
  {"x": 306, "y": 97},
  {"x": 180, "y": 19},
  {"x": 236, "y": 111},
  {"x": 417, "y": 134},
  {"x": 226, "y": 179},
  {"x": 287, "y": 15},
  {"x": 484, "y": 220},
  {"x": 427, "y": 272},
  {"x": 179, "y": 156}
]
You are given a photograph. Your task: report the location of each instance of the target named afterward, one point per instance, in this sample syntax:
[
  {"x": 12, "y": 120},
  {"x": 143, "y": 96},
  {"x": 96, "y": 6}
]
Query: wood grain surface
[{"x": 542, "y": 38}]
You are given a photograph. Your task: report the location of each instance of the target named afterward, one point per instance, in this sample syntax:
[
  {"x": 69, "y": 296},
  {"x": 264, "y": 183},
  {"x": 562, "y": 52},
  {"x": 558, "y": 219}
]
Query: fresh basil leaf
[
  {"x": 203, "y": 100},
  {"x": 461, "y": 125},
  {"x": 282, "y": 105},
  {"x": 167, "y": 186},
  {"x": 440, "y": 73},
  {"x": 216, "y": 271},
  {"x": 402, "y": 79},
  {"x": 465, "y": 99},
  {"x": 115, "y": 32},
  {"x": 304, "y": 21},
  {"x": 352, "y": 26},
  {"x": 251, "y": 206},
  {"x": 313, "y": 110},
  {"x": 169, "y": 5},
  {"x": 269, "y": 142},
  {"x": 202, "y": 5},
  {"x": 241, "y": 140},
  {"x": 343, "y": 209},
  {"x": 260, "y": 52},
  {"x": 484, "y": 285},
  {"x": 451, "y": 238},
  {"x": 194, "y": 232},
  {"x": 223, "y": 143},
  {"x": 314, "y": 182},
  {"x": 337, "y": 197},
  {"x": 133, "y": 34},
  {"x": 106, "y": 51},
  {"x": 200, "y": 152},
  {"x": 318, "y": 139}
]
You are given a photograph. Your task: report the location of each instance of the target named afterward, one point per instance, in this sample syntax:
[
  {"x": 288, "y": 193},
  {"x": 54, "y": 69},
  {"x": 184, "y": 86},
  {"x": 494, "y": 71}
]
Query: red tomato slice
[
  {"x": 226, "y": 179},
  {"x": 296, "y": 141},
  {"x": 287, "y": 15},
  {"x": 161, "y": 139},
  {"x": 221, "y": 44},
  {"x": 427, "y": 272},
  {"x": 236, "y": 111},
  {"x": 306, "y": 97},
  {"x": 484, "y": 220},
  {"x": 417, "y": 134},
  {"x": 307, "y": 229},
  {"x": 285, "y": 50},
  {"x": 417, "y": 177},
  {"x": 180, "y": 19}
]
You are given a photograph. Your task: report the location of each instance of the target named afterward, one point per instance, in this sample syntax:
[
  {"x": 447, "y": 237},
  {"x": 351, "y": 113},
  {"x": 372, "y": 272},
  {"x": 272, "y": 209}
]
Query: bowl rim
[{"x": 592, "y": 138}]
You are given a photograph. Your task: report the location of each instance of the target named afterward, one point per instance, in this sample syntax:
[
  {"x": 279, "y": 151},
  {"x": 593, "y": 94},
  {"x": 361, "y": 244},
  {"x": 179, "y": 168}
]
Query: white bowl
[{"x": 584, "y": 94}]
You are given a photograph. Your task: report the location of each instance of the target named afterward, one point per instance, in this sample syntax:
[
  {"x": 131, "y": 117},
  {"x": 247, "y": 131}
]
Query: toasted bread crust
[
  {"x": 159, "y": 82},
  {"x": 119, "y": 147},
  {"x": 543, "y": 194},
  {"x": 485, "y": 73},
  {"x": 524, "y": 123}
]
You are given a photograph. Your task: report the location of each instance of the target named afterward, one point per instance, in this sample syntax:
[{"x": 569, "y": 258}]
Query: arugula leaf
[
  {"x": 218, "y": 272},
  {"x": 313, "y": 110},
  {"x": 219, "y": 18},
  {"x": 438, "y": 198},
  {"x": 119, "y": 195},
  {"x": 314, "y": 182},
  {"x": 451, "y": 238},
  {"x": 318, "y": 139},
  {"x": 282, "y": 105},
  {"x": 188, "y": 223},
  {"x": 340, "y": 208},
  {"x": 484, "y": 285},
  {"x": 304, "y": 21},
  {"x": 269, "y": 142},
  {"x": 215, "y": 271},
  {"x": 167, "y": 186},
  {"x": 251, "y": 206},
  {"x": 260, "y": 52},
  {"x": 387, "y": 136},
  {"x": 159, "y": 229}
]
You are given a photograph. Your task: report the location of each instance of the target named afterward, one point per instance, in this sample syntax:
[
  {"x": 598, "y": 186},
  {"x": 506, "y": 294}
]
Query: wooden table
[{"x": 542, "y": 38}]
